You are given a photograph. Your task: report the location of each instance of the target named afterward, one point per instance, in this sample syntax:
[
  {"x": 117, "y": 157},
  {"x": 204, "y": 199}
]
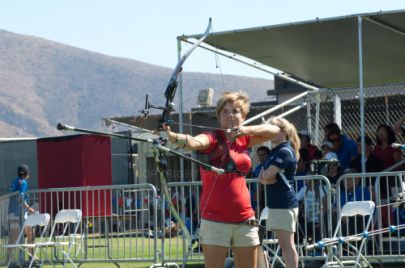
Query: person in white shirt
[
  {"x": 313, "y": 204},
  {"x": 327, "y": 153},
  {"x": 330, "y": 170}
]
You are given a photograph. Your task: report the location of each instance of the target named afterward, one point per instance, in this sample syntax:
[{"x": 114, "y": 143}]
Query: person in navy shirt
[
  {"x": 256, "y": 195},
  {"x": 18, "y": 206},
  {"x": 278, "y": 177}
]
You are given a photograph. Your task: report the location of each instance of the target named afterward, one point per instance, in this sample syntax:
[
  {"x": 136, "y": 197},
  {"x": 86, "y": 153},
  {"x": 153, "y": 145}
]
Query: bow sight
[{"x": 167, "y": 109}]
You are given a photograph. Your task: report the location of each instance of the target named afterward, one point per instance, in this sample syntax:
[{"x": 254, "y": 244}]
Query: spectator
[
  {"x": 303, "y": 167},
  {"x": 262, "y": 153},
  {"x": 373, "y": 163},
  {"x": 305, "y": 139},
  {"x": 399, "y": 126},
  {"x": 383, "y": 150},
  {"x": 352, "y": 190},
  {"x": 313, "y": 203},
  {"x": 256, "y": 194},
  {"x": 330, "y": 170},
  {"x": 17, "y": 205},
  {"x": 345, "y": 148},
  {"x": 330, "y": 128},
  {"x": 327, "y": 151}
]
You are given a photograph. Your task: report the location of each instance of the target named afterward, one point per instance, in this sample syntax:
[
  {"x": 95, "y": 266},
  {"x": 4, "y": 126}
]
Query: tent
[{"x": 356, "y": 50}]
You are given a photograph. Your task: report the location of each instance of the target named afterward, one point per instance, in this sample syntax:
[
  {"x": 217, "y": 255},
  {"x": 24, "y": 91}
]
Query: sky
[{"x": 146, "y": 30}]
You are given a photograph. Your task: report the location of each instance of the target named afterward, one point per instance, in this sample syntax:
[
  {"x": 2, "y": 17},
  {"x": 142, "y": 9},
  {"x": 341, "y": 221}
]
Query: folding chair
[
  {"x": 33, "y": 220},
  {"x": 65, "y": 217},
  {"x": 350, "y": 209}
]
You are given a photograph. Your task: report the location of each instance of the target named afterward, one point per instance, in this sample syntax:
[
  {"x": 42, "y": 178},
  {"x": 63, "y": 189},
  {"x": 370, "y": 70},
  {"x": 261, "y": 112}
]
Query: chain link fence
[{"x": 383, "y": 105}]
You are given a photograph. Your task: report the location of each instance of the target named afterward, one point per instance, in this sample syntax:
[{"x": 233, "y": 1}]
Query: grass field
[{"x": 131, "y": 251}]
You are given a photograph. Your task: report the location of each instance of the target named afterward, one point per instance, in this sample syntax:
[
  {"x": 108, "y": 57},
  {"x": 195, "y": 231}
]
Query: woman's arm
[
  {"x": 398, "y": 124},
  {"x": 268, "y": 176},
  {"x": 188, "y": 142},
  {"x": 258, "y": 133},
  {"x": 30, "y": 209}
]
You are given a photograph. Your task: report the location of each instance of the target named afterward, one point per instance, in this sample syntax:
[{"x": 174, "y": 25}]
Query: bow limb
[
  {"x": 160, "y": 156},
  {"x": 172, "y": 86}
]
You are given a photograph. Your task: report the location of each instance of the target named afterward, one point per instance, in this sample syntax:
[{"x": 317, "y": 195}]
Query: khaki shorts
[
  {"x": 282, "y": 219},
  {"x": 228, "y": 235}
]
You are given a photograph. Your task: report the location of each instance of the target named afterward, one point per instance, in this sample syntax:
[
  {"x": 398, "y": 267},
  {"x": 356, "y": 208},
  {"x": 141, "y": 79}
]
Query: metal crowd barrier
[
  {"x": 319, "y": 210},
  {"x": 131, "y": 223},
  {"x": 9, "y": 205},
  {"x": 120, "y": 223},
  {"x": 189, "y": 209},
  {"x": 387, "y": 190}
]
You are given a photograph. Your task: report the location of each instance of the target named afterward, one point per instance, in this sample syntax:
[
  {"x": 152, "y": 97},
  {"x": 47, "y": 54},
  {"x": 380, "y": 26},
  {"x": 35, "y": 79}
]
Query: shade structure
[{"x": 324, "y": 52}]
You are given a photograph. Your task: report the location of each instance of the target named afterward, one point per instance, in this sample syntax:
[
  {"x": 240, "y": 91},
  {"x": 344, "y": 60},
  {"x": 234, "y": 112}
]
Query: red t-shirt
[
  {"x": 386, "y": 155},
  {"x": 226, "y": 198},
  {"x": 312, "y": 150}
]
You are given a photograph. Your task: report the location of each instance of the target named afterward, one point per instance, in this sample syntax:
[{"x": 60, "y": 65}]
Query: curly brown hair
[{"x": 240, "y": 99}]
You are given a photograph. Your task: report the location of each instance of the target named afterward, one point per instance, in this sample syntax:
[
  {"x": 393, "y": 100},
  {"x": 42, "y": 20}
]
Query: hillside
[{"x": 44, "y": 82}]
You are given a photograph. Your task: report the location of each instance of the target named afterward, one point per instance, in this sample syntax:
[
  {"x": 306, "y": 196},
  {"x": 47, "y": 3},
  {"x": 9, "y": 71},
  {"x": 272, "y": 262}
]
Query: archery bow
[
  {"x": 160, "y": 156},
  {"x": 160, "y": 149}
]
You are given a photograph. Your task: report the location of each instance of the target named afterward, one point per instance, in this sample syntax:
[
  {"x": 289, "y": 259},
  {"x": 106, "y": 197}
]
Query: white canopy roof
[{"x": 324, "y": 52}]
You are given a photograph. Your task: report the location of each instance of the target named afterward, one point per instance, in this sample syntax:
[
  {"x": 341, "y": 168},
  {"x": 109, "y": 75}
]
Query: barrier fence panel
[
  {"x": 11, "y": 217},
  {"x": 315, "y": 213},
  {"x": 386, "y": 189},
  {"x": 119, "y": 222},
  {"x": 316, "y": 221},
  {"x": 185, "y": 198},
  {"x": 131, "y": 223},
  {"x": 319, "y": 210}
]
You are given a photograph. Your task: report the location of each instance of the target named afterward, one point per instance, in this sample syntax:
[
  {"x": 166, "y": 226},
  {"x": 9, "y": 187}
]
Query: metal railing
[
  {"x": 119, "y": 222},
  {"x": 386, "y": 189},
  {"x": 131, "y": 223}
]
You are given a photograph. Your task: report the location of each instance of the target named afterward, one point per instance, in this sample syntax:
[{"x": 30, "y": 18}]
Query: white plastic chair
[
  {"x": 350, "y": 209},
  {"x": 33, "y": 220},
  {"x": 64, "y": 217}
]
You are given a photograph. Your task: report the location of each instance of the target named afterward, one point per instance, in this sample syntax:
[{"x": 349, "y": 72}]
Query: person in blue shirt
[
  {"x": 278, "y": 177},
  {"x": 353, "y": 190},
  {"x": 345, "y": 149},
  {"x": 19, "y": 207},
  {"x": 256, "y": 195}
]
